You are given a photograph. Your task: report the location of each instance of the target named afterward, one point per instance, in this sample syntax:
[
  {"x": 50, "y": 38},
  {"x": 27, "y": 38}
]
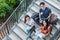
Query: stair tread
[
  {"x": 54, "y": 30},
  {"x": 59, "y": 39},
  {"x": 54, "y": 4},
  {"x": 58, "y": 15},
  {"x": 13, "y": 36},
  {"x": 20, "y": 33},
  {"x": 29, "y": 13},
  {"x": 22, "y": 17},
  {"x": 22, "y": 26},
  {"x": 35, "y": 9},
  {"x": 6, "y": 38},
  {"x": 38, "y": 2},
  {"x": 58, "y": 26}
]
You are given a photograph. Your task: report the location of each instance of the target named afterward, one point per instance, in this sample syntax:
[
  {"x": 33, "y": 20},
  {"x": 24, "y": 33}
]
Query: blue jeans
[
  {"x": 30, "y": 32},
  {"x": 39, "y": 35},
  {"x": 37, "y": 38},
  {"x": 29, "y": 35}
]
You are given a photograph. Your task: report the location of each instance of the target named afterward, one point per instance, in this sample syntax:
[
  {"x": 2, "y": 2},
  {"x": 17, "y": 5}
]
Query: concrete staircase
[{"x": 18, "y": 32}]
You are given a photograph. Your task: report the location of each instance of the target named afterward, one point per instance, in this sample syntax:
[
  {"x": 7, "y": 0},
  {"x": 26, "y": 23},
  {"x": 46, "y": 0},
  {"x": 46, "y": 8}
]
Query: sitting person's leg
[
  {"x": 36, "y": 37},
  {"x": 29, "y": 35},
  {"x": 41, "y": 36},
  {"x": 37, "y": 34},
  {"x": 30, "y": 32},
  {"x": 33, "y": 29}
]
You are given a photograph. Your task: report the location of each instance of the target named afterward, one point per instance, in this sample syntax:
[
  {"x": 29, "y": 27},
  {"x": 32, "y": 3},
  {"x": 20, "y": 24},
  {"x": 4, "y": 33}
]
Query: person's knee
[{"x": 36, "y": 37}]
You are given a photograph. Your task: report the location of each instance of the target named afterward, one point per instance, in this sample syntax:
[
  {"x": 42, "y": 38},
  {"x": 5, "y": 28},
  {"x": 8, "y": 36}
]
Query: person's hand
[
  {"x": 48, "y": 17},
  {"x": 40, "y": 19},
  {"x": 33, "y": 24}
]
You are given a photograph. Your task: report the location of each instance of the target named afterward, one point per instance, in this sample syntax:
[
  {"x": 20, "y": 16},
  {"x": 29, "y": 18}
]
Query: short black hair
[{"x": 42, "y": 3}]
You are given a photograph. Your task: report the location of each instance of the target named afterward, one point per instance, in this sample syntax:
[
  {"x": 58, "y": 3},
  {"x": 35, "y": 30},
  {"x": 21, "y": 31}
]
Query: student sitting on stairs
[
  {"x": 43, "y": 30},
  {"x": 31, "y": 26}
]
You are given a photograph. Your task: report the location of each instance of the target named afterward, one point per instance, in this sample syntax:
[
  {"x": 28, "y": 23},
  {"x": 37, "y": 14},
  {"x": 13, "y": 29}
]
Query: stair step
[
  {"x": 47, "y": 38},
  {"x": 58, "y": 26},
  {"x": 53, "y": 3},
  {"x": 59, "y": 39},
  {"x": 56, "y": 13},
  {"x": 51, "y": 7},
  {"x": 29, "y": 13},
  {"x": 13, "y": 36},
  {"x": 22, "y": 17},
  {"x": 22, "y": 26},
  {"x": 6, "y": 38},
  {"x": 57, "y": 1},
  {"x": 36, "y": 5},
  {"x": 54, "y": 30},
  {"x": 35, "y": 8},
  {"x": 38, "y": 2},
  {"x": 20, "y": 33}
]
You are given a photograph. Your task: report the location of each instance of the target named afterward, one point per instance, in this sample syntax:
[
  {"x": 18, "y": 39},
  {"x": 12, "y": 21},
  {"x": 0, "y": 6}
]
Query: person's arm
[
  {"x": 50, "y": 13},
  {"x": 49, "y": 30},
  {"x": 39, "y": 28},
  {"x": 40, "y": 16},
  {"x": 48, "y": 33},
  {"x": 33, "y": 23}
]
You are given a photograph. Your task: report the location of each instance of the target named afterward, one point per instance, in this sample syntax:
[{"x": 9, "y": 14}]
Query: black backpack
[{"x": 35, "y": 17}]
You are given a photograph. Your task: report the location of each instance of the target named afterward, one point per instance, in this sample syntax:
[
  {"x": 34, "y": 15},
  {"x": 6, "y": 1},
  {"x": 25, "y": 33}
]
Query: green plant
[
  {"x": 5, "y": 9},
  {"x": 13, "y": 3},
  {"x": 2, "y": 15},
  {"x": 2, "y": 0}
]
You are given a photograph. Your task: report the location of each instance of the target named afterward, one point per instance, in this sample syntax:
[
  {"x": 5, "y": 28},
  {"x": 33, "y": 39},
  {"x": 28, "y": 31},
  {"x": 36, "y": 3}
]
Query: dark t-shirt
[{"x": 45, "y": 13}]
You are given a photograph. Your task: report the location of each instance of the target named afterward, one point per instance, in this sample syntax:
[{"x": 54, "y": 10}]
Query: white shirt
[{"x": 31, "y": 22}]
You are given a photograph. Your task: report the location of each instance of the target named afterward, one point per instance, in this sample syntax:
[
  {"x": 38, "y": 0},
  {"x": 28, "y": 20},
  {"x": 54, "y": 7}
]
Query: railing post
[
  {"x": 16, "y": 15},
  {"x": 25, "y": 4},
  {"x": 7, "y": 29}
]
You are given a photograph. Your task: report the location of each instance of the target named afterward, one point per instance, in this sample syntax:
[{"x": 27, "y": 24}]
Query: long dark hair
[
  {"x": 25, "y": 18},
  {"x": 47, "y": 24}
]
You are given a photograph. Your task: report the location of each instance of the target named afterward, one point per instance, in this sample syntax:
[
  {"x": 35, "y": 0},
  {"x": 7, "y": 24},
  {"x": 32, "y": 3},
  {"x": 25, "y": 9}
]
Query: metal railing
[
  {"x": 58, "y": 0},
  {"x": 6, "y": 27}
]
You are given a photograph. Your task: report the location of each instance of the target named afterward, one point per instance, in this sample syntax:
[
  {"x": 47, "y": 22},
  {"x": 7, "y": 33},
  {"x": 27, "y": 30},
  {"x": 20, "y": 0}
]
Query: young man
[{"x": 44, "y": 11}]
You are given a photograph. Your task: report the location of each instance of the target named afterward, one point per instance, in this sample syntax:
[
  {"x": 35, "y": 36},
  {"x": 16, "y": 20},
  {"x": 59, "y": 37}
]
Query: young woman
[
  {"x": 31, "y": 25},
  {"x": 43, "y": 30}
]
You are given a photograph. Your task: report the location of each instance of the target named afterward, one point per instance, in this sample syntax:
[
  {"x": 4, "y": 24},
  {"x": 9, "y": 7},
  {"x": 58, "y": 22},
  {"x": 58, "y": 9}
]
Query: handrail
[
  {"x": 10, "y": 15},
  {"x": 16, "y": 14}
]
